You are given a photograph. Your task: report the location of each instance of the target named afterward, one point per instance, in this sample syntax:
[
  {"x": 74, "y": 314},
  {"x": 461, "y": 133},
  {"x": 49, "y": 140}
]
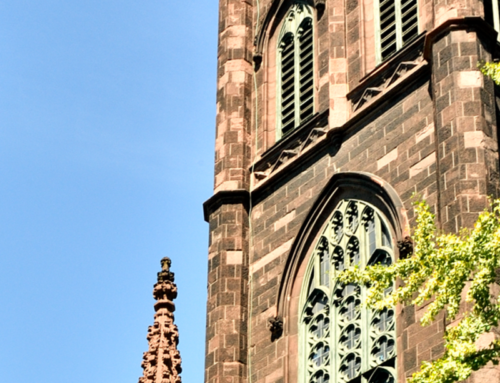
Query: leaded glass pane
[{"x": 356, "y": 235}]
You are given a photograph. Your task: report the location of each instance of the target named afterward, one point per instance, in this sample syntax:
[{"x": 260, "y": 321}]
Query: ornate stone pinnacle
[
  {"x": 162, "y": 362},
  {"x": 165, "y": 274}
]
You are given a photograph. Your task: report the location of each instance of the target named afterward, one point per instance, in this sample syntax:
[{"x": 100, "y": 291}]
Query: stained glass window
[{"x": 342, "y": 341}]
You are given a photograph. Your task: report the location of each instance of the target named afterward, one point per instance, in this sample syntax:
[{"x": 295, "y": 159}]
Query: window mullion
[
  {"x": 378, "y": 32},
  {"x": 496, "y": 17},
  {"x": 399, "y": 24}
]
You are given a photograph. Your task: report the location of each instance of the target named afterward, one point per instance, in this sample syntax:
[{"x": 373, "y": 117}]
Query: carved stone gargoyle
[
  {"x": 405, "y": 247},
  {"x": 275, "y": 325}
]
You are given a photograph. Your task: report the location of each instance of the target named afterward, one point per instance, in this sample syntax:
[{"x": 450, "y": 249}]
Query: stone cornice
[
  {"x": 477, "y": 24},
  {"x": 222, "y": 197}
]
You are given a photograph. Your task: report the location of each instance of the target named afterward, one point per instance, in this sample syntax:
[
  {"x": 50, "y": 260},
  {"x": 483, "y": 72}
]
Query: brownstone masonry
[
  {"x": 423, "y": 121},
  {"x": 162, "y": 363}
]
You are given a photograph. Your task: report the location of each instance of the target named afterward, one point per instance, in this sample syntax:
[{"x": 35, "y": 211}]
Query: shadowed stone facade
[{"x": 422, "y": 122}]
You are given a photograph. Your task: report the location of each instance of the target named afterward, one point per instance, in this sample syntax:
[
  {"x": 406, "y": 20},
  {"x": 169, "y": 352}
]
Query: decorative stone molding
[
  {"x": 162, "y": 363},
  {"x": 389, "y": 75},
  {"x": 291, "y": 146}
]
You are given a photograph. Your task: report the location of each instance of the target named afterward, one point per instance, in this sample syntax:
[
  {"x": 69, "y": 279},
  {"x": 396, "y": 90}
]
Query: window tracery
[{"x": 341, "y": 341}]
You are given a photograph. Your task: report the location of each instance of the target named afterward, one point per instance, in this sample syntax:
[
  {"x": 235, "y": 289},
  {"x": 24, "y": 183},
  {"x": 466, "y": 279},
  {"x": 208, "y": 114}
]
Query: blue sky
[{"x": 107, "y": 115}]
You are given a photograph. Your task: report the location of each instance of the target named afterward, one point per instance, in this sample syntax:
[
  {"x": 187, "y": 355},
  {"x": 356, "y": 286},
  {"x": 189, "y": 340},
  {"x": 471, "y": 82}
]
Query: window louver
[
  {"x": 398, "y": 25},
  {"x": 306, "y": 79},
  {"x": 287, "y": 84},
  {"x": 295, "y": 65},
  {"x": 409, "y": 19},
  {"x": 388, "y": 28}
]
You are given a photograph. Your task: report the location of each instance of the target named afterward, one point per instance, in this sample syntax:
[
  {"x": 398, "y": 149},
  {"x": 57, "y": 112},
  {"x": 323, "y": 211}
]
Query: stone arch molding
[
  {"x": 269, "y": 21},
  {"x": 347, "y": 185}
]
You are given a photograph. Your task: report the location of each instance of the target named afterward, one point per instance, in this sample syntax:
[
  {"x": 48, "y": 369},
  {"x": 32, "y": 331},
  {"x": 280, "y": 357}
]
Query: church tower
[{"x": 331, "y": 115}]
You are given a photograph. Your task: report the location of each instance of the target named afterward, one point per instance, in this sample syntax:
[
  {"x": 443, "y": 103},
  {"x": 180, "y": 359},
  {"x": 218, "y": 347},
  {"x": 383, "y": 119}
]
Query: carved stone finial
[
  {"x": 165, "y": 274},
  {"x": 405, "y": 247},
  {"x": 162, "y": 362},
  {"x": 275, "y": 325}
]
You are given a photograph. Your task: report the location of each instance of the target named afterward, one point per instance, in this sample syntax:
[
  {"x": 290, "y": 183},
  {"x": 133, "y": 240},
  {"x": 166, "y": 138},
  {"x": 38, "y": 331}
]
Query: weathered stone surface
[
  {"x": 162, "y": 362},
  {"x": 423, "y": 122}
]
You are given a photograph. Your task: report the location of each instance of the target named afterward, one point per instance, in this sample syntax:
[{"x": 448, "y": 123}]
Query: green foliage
[
  {"x": 491, "y": 70},
  {"x": 444, "y": 269}
]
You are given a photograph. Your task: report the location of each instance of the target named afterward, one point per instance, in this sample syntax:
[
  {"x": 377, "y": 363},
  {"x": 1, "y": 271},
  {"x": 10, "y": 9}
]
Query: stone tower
[{"x": 330, "y": 115}]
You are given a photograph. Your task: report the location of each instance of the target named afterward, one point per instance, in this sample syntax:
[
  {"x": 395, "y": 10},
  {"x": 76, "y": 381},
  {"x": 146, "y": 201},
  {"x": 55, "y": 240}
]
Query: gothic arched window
[
  {"x": 295, "y": 68},
  {"x": 396, "y": 24},
  {"x": 341, "y": 340}
]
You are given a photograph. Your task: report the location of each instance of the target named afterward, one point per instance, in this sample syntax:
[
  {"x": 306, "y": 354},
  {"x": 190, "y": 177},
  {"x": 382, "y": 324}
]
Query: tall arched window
[
  {"x": 396, "y": 24},
  {"x": 295, "y": 68},
  {"x": 341, "y": 340}
]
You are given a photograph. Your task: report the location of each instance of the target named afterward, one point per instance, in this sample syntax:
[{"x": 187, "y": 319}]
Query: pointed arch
[{"x": 347, "y": 185}]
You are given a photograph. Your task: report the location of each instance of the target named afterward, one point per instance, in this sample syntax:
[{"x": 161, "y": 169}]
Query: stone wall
[{"x": 423, "y": 123}]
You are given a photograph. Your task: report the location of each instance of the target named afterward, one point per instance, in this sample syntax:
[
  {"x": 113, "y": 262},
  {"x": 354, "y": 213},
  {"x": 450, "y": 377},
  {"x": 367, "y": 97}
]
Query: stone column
[
  {"x": 227, "y": 210},
  {"x": 466, "y": 135}
]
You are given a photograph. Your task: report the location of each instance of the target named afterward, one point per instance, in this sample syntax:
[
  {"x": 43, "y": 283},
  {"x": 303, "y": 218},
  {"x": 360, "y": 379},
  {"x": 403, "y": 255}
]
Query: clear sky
[{"x": 107, "y": 115}]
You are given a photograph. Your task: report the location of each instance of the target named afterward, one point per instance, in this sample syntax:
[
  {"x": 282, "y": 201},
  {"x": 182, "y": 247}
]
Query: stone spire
[{"x": 162, "y": 363}]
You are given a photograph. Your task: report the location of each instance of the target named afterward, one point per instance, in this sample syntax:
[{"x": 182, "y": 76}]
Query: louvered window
[
  {"x": 492, "y": 14},
  {"x": 342, "y": 341},
  {"x": 288, "y": 84},
  {"x": 296, "y": 69},
  {"x": 306, "y": 79},
  {"x": 397, "y": 25}
]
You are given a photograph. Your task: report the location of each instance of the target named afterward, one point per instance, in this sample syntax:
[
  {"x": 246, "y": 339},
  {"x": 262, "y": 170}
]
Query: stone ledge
[
  {"x": 477, "y": 24},
  {"x": 223, "y": 197}
]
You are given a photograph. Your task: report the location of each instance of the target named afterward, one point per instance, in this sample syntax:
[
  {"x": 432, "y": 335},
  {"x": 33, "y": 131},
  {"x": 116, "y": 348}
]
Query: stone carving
[
  {"x": 275, "y": 325},
  {"x": 287, "y": 154},
  {"x": 284, "y": 157},
  {"x": 162, "y": 362},
  {"x": 405, "y": 247},
  {"x": 401, "y": 70}
]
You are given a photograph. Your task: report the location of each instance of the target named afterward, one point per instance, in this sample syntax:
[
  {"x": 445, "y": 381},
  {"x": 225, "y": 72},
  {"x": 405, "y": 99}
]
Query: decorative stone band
[{"x": 162, "y": 362}]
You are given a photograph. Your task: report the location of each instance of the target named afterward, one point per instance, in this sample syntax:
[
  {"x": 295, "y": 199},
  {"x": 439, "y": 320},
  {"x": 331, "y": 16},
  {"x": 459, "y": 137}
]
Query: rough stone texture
[
  {"x": 162, "y": 363},
  {"x": 465, "y": 117},
  {"x": 431, "y": 131}
]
